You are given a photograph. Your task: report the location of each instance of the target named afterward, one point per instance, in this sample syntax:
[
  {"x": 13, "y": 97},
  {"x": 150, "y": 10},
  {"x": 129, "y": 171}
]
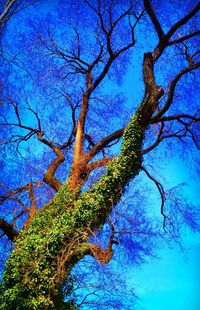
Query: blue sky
[{"x": 173, "y": 280}]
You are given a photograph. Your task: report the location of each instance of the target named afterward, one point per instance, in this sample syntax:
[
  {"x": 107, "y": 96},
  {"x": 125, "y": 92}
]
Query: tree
[{"x": 56, "y": 94}]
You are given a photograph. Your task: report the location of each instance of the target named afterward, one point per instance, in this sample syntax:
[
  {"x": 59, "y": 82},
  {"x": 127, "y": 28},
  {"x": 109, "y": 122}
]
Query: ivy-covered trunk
[{"x": 57, "y": 237}]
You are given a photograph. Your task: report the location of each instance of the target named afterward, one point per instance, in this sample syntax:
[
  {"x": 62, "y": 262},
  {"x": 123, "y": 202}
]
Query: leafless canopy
[{"x": 85, "y": 150}]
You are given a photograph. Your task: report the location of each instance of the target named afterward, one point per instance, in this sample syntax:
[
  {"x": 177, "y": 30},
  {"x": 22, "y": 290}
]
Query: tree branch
[
  {"x": 162, "y": 195},
  {"x": 184, "y": 38},
  {"x": 154, "y": 19},
  {"x": 73, "y": 108},
  {"x": 8, "y": 230},
  {"x": 102, "y": 255},
  {"x": 99, "y": 163},
  {"x": 182, "y": 21},
  {"x": 5, "y": 14},
  {"x": 11, "y": 195},
  {"x": 157, "y": 142},
  {"x": 177, "y": 117},
  {"x": 80, "y": 130},
  {"x": 104, "y": 142},
  {"x": 49, "y": 177},
  {"x": 172, "y": 87},
  {"x": 18, "y": 190},
  {"x": 164, "y": 41}
]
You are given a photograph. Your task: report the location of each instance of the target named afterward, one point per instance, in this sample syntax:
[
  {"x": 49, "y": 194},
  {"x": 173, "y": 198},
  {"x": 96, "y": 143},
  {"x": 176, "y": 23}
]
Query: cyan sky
[{"x": 172, "y": 282}]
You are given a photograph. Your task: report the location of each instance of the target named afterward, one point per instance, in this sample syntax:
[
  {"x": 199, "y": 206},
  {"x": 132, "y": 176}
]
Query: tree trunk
[{"x": 57, "y": 237}]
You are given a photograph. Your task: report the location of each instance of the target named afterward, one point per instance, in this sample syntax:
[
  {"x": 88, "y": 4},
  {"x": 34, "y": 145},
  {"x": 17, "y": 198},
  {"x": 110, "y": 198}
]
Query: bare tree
[{"x": 50, "y": 238}]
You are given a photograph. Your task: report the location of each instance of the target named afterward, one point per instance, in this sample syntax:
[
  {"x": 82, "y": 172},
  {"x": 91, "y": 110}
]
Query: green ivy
[{"x": 31, "y": 280}]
